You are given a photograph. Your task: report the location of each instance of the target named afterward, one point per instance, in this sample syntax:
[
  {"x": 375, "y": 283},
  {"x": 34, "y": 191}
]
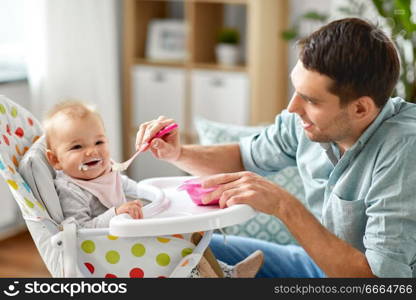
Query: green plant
[
  {"x": 397, "y": 18},
  {"x": 228, "y": 35}
]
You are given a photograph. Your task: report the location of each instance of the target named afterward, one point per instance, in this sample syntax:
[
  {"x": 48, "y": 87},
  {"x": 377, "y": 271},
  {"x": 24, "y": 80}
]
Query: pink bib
[{"x": 107, "y": 188}]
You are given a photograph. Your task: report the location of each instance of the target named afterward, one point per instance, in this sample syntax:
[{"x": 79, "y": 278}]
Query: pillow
[
  {"x": 39, "y": 174},
  {"x": 210, "y": 132},
  {"x": 263, "y": 226}
]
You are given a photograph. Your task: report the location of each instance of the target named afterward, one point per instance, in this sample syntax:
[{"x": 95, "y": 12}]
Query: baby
[
  {"x": 77, "y": 148},
  {"x": 88, "y": 189}
]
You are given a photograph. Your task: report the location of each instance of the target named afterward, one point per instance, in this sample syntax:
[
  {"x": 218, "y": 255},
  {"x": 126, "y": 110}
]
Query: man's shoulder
[
  {"x": 402, "y": 122},
  {"x": 403, "y": 110}
]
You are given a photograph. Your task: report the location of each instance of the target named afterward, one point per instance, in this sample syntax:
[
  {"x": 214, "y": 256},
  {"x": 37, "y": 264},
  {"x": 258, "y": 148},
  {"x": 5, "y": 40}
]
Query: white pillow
[{"x": 39, "y": 174}]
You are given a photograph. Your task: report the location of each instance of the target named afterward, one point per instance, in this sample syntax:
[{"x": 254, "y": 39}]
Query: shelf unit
[{"x": 265, "y": 61}]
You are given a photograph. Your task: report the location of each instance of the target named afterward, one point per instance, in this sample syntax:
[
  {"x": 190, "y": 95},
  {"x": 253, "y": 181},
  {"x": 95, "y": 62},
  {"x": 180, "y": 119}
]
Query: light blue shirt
[{"x": 368, "y": 196}]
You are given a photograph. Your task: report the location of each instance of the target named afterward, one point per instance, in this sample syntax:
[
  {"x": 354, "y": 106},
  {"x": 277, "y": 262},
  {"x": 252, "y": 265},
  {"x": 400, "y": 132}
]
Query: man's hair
[
  {"x": 73, "y": 109},
  {"x": 359, "y": 58}
]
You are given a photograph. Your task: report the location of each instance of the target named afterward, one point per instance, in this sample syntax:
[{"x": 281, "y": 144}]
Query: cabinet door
[
  {"x": 221, "y": 96},
  {"x": 156, "y": 91}
]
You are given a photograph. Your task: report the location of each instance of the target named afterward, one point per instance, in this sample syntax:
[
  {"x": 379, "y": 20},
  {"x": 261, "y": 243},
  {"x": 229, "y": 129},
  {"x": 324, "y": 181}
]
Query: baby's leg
[
  {"x": 247, "y": 268},
  {"x": 204, "y": 270},
  {"x": 210, "y": 267}
]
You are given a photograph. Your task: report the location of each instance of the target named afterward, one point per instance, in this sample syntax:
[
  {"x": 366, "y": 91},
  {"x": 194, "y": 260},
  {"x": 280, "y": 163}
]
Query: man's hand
[
  {"x": 246, "y": 188},
  {"x": 133, "y": 208},
  {"x": 167, "y": 147}
]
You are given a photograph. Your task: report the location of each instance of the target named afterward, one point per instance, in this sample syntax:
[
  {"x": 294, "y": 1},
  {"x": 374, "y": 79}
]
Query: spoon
[{"x": 124, "y": 165}]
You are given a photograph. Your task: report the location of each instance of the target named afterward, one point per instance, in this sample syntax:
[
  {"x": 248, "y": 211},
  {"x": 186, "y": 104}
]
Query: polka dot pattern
[
  {"x": 13, "y": 112},
  {"x": 138, "y": 250},
  {"x": 112, "y": 257},
  {"x": 6, "y": 140},
  {"x": 29, "y": 203},
  {"x": 163, "y": 259},
  {"x": 138, "y": 257},
  {"x": 13, "y": 184},
  {"x": 90, "y": 267},
  {"x": 88, "y": 246},
  {"x": 136, "y": 273},
  {"x": 17, "y": 134},
  {"x": 185, "y": 263},
  {"x": 186, "y": 251},
  {"x": 163, "y": 240},
  {"x": 26, "y": 186}
]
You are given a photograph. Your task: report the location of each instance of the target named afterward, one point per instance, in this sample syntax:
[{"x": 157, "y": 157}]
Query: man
[{"x": 353, "y": 146}]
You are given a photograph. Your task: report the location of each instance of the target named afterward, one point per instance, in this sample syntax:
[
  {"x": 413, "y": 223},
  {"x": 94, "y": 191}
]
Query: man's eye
[
  {"x": 99, "y": 142},
  {"x": 306, "y": 99},
  {"x": 76, "y": 147}
]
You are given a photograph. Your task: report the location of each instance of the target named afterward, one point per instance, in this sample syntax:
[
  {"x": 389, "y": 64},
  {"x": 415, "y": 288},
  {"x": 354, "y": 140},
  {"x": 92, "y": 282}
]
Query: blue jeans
[{"x": 280, "y": 261}]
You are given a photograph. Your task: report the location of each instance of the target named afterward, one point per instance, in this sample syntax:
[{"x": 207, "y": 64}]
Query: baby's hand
[{"x": 133, "y": 208}]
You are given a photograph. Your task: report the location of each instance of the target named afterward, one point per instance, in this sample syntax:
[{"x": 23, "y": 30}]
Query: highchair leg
[{"x": 208, "y": 263}]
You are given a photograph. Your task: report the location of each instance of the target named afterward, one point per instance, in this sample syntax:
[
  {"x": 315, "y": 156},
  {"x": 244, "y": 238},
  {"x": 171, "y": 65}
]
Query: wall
[{"x": 298, "y": 8}]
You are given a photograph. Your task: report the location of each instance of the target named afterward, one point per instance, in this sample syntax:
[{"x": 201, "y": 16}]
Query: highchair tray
[{"x": 172, "y": 211}]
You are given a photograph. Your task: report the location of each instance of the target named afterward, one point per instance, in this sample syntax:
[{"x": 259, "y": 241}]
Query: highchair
[{"x": 160, "y": 245}]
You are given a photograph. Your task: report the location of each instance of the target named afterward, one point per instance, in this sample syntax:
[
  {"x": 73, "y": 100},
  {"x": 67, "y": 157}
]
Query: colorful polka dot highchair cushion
[
  {"x": 39, "y": 174},
  {"x": 154, "y": 257},
  {"x": 94, "y": 252},
  {"x": 19, "y": 130}
]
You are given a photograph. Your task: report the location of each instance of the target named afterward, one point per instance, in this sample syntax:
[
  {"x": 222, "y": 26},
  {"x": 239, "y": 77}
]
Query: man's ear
[
  {"x": 53, "y": 159},
  {"x": 364, "y": 107}
]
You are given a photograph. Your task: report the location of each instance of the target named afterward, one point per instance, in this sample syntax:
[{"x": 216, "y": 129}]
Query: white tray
[{"x": 173, "y": 211}]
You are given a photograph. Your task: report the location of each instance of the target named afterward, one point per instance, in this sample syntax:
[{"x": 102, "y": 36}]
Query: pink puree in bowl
[{"x": 195, "y": 191}]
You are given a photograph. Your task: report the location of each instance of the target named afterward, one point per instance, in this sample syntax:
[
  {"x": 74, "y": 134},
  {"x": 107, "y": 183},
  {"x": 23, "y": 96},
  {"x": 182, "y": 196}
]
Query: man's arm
[
  {"x": 334, "y": 256},
  {"x": 194, "y": 159},
  {"x": 207, "y": 160}
]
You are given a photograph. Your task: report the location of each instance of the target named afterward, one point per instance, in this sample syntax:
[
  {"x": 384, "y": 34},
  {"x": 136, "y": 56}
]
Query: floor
[{"x": 20, "y": 258}]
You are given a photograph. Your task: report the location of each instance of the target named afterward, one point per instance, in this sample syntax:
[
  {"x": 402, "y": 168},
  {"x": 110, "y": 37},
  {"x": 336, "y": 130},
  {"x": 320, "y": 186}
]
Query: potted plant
[{"x": 227, "y": 50}]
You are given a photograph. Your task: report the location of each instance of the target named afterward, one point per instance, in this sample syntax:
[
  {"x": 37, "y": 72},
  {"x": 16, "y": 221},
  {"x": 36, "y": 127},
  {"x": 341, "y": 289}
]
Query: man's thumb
[{"x": 158, "y": 144}]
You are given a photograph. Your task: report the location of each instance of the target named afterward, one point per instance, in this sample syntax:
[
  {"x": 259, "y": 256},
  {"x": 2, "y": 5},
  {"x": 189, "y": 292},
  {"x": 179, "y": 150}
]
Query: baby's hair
[{"x": 73, "y": 109}]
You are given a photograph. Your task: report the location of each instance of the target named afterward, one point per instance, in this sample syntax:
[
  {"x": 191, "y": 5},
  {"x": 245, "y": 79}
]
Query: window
[{"x": 12, "y": 58}]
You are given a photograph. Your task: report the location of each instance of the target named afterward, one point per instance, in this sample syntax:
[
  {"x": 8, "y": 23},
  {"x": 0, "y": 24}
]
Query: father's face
[{"x": 323, "y": 119}]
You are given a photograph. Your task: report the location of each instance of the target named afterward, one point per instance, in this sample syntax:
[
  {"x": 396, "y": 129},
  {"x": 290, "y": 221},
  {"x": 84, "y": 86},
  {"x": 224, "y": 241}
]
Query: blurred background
[{"x": 222, "y": 60}]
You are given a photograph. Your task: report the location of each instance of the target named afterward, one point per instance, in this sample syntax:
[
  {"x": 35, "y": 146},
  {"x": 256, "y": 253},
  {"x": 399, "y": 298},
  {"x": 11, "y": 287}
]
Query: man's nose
[{"x": 295, "y": 104}]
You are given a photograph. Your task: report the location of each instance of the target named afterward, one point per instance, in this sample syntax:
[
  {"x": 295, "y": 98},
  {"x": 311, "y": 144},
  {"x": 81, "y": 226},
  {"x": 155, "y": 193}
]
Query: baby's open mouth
[{"x": 90, "y": 164}]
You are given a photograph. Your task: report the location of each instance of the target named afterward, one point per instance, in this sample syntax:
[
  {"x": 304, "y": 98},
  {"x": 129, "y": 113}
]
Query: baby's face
[{"x": 80, "y": 147}]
